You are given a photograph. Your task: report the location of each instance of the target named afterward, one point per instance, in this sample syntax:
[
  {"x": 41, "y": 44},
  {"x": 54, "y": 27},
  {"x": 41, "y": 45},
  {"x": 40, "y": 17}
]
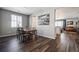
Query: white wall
[{"x": 45, "y": 30}]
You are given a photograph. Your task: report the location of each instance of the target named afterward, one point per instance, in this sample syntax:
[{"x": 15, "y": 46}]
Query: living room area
[{"x": 67, "y": 28}]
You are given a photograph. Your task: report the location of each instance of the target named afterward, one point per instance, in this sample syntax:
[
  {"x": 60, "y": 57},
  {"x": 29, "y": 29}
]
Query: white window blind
[{"x": 16, "y": 21}]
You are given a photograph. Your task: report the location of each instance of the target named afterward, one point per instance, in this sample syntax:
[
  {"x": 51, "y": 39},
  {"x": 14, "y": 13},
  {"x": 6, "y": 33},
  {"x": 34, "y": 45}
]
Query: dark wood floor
[
  {"x": 12, "y": 44},
  {"x": 66, "y": 42}
]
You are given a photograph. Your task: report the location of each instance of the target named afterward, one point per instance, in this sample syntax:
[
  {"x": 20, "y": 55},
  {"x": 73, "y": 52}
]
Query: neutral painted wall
[
  {"x": 45, "y": 30},
  {"x": 5, "y": 22}
]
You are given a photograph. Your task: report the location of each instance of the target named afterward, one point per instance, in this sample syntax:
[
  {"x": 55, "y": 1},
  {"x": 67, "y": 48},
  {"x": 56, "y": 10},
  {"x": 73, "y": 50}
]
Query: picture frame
[
  {"x": 69, "y": 22},
  {"x": 44, "y": 19}
]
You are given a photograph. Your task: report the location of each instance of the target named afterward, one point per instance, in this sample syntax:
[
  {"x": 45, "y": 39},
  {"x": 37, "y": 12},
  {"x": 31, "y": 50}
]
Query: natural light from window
[
  {"x": 16, "y": 21},
  {"x": 59, "y": 23}
]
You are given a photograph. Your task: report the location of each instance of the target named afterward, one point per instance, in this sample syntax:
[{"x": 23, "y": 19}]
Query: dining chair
[
  {"x": 19, "y": 34},
  {"x": 25, "y": 36},
  {"x": 33, "y": 35}
]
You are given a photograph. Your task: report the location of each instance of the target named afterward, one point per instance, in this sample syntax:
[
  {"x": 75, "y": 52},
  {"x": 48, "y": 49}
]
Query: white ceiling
[
  {"x": 25, "y": 10},
  {"x": 61, "y": 12},
  {"x": 67, "y": 12}
]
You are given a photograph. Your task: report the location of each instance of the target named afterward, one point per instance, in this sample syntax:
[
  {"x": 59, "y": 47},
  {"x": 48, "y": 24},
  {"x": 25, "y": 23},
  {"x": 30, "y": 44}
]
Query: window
[
  {"x": 59, "y": 23},
  {"x": 16, "y": 21}
]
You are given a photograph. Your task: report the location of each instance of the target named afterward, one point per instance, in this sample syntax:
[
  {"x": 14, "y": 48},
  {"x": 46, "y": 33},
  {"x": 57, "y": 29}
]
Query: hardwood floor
[
  {"x": 66, "y": 42},
  {"x": 12, "y": 44}
]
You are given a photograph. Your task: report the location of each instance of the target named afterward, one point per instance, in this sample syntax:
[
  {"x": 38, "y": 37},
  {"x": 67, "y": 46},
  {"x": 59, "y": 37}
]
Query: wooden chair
[
  {"x": 19, "y": 34},
  {"x": 22, "y": 35},
  {"x": 33, "y": 35},
  {"x": 25, "y": 36}
]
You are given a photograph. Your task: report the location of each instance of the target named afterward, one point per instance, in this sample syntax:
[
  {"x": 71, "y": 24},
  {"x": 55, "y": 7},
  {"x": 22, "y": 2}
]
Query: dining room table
[{"x": 32, "y": 31}]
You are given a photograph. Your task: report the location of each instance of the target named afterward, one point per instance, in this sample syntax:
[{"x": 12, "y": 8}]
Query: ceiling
[
  {"x": 61, "y": 12},
  {"x": 25, "y": 10},
  {"x": 67, "y": 12}
]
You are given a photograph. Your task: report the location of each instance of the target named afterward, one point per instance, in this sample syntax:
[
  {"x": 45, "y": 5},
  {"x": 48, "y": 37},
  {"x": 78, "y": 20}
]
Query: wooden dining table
[{"x": 31, "y": 31}]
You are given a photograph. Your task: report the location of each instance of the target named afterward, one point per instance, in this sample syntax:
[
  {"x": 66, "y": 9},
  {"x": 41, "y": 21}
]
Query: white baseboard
[
  {"x": 45, "y": 36},
  {"x": 7, "y": 35}
]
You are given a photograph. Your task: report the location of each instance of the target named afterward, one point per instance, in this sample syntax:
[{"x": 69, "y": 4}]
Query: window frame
[{"x": 16, "y": 21}]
